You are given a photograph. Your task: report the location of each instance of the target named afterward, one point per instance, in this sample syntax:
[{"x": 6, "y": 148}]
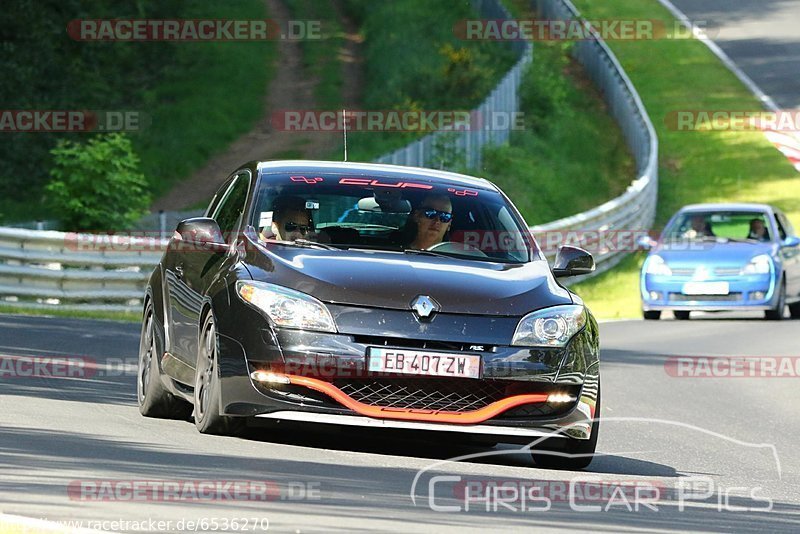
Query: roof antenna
[{"x": 344, "y": 124}]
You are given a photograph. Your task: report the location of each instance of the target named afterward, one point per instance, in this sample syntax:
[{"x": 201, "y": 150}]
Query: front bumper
[
  {"x": 319, "y": 367},
  {"x": 745, "y": 293}
]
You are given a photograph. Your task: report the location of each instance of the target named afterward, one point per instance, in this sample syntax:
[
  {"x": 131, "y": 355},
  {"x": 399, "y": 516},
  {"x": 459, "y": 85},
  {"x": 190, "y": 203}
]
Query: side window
[
  {"x": 783, "y": 222},
  {"x": 228, "y": 213},
  {"x": 781, "y": 230}
]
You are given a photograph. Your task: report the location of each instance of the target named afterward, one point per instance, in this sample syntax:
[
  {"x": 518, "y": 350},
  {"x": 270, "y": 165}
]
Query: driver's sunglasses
[
  {"x": 294, "y": 227},
  {"x": 444, "y": 216}
]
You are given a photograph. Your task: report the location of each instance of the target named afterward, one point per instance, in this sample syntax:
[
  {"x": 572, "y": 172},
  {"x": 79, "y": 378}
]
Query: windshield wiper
[
  {"x": 304, "y": 243},
  {"x": 422, "y": 252}
]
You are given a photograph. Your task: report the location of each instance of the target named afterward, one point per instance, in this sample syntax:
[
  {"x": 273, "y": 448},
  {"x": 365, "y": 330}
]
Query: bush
[{"x": 97, "y": 186}]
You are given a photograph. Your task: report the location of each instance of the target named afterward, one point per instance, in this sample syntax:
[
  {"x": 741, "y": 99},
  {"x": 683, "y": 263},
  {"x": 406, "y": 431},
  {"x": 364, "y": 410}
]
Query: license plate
[
  {"x": 706, "y": 288},
  {"x": 420, "y": 362}
]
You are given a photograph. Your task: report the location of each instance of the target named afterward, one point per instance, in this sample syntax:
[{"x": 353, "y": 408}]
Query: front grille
[
  {"x": 680, "y": 297},
  {"x": 728, "y": 271},
  {"x": 407, "y": 343},
  {"x": 437, "y": 394},
  {"x": 682, "y": 272}
]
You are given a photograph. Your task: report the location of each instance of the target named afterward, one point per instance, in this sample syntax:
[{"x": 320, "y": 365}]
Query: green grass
[
  {"x": 321, "y": 57},
  {"x": 214, "y": 94},
  {"x": 569, "y": 143},
  {"x": 673, "y": 75},
  {"x": 128, "y": 317},
  {"x": 414, "y": 61}
]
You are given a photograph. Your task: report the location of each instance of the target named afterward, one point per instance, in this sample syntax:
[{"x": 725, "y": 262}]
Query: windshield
[
  {"x": 732, "y": 225},
  {"x": 404, "y": 214}
]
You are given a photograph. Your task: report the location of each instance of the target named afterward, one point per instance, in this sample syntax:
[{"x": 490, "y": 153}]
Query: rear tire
[
  {"x": 585, "y": 449},
  {"x": 681, "y": 315},
  {"x": 776, "y": 313},
  {"x": 207, "y": 418},
  {"x": 651, "y": 315},
  {"x": 153, "y": 399}
]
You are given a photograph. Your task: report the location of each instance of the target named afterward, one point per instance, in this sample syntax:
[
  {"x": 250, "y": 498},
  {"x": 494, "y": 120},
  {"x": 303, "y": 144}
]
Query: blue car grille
[{"x": 680, "y": 297}]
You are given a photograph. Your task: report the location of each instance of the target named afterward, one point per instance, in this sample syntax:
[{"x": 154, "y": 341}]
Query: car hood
[
  {"x": 711, "y": 253},
  {"x": 393, "y": 280}
]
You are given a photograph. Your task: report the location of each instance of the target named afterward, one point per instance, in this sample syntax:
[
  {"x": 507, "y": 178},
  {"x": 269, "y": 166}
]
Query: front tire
[
  {"x": 207, "y": 418},
  {"x": 681, "y": 315},
  {"x": 653, "y": 315},
  {"x": 776, "y": 313},
  {"x": 153, "y": 399},
  {"x": 578, "y": 454}
]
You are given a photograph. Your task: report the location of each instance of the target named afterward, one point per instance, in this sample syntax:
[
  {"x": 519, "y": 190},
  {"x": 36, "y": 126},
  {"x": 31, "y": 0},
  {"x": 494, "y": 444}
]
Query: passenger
[
  {"x": 758, "y": 230},
  {"x": 291, "y": 220},
  {"x": 432, "y": 220}
]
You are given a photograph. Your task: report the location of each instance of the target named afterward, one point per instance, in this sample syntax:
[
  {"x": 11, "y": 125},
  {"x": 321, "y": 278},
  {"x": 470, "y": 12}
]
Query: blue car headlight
[
  {"x": 656, "y": 265},
  {"x": 761, "y": 264},
  {"x": 550, "y": 327}
]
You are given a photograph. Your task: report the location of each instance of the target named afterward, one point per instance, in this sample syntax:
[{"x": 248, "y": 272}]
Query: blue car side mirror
[{"x": 791, "y": 241}]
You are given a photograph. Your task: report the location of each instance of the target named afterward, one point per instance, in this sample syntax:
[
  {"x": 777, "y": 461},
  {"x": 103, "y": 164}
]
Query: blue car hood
[{"x": 712, "y": 253}]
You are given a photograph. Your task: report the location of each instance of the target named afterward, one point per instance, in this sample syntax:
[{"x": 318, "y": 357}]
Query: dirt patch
[{"x": 291, "y": 88}]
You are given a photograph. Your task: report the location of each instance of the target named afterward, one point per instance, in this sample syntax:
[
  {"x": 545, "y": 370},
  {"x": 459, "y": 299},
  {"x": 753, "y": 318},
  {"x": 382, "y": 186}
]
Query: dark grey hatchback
[{"x": 374, "y": 296}]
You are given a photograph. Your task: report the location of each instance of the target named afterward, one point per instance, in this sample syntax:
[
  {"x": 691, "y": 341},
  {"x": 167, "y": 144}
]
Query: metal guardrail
[
  {"x": 44, "y": 269},
  {"x": 636, "y": 208},
  {"x": 463, "y": 147}
]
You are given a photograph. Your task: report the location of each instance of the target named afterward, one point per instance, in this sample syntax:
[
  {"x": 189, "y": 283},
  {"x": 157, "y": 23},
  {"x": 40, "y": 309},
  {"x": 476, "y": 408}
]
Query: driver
[
  {"x": 432, "y": 219},
  {"x": 291, "y": 220}
]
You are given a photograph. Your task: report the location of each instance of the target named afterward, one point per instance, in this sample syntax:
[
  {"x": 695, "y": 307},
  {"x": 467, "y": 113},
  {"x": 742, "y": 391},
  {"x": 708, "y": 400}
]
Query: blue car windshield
[
  {"x": 731, "y": 225},
  {"x": 398, "y": 214}
]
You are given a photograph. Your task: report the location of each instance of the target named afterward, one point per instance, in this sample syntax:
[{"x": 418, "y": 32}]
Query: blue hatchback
[{"x": 723, "y": 257}]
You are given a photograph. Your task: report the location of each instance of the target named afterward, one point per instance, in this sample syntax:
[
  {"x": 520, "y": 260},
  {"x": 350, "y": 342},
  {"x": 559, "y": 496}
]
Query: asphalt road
[
  {"x": 761, "y": 36},
  {"x": 659, "y": 429}
]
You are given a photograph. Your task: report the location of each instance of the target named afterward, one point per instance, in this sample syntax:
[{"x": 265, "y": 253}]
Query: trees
[{"x": 97, "y": 185}]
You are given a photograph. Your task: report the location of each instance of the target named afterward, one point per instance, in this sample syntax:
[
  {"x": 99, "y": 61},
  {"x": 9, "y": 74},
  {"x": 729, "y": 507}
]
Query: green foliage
[
  {"x": 198, "y": 96},
  {"x": 414, "y": 61},
  {"x": 97, "y": 185},
  {"x": 570, "y": 156}
]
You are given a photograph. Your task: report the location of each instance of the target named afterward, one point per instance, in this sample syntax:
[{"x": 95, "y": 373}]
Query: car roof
[
  {"x": 734, "y": 206},
  {"x": 443, "y": 177}
]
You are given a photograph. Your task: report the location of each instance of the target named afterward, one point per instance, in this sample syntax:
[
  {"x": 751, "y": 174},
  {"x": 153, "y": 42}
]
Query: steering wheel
[{"x": 457, "y": 248}]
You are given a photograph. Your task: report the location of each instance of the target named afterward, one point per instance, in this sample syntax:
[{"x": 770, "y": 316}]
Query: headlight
[
  {"x": 657, "y": 265},
  {"x": 761, "y": 264},
  {"x": 286, "y": 307},
  {"x": 551, "y": 327}
]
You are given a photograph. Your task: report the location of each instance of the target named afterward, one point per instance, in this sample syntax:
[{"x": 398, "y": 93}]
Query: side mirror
[
  {"x": 572, "y": 261},
  {"x": 645, "y": 242},
  {"x": 791, "y": 241},
  {"x": 202, "y": 232}
]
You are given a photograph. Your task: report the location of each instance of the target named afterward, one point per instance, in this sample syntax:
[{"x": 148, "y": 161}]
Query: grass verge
[
  {"x": 128, "y": 317},
  {"x": 695, "y": 166}
]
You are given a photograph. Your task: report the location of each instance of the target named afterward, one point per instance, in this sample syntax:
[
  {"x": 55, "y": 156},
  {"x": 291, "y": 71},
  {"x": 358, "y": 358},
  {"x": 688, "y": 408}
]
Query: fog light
[
  {"x": 655, "y": 295},
  {"x": 758, "y": 295},
  {"x": 272, "y": 378},
  {"x": 560, "y": 398}
]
